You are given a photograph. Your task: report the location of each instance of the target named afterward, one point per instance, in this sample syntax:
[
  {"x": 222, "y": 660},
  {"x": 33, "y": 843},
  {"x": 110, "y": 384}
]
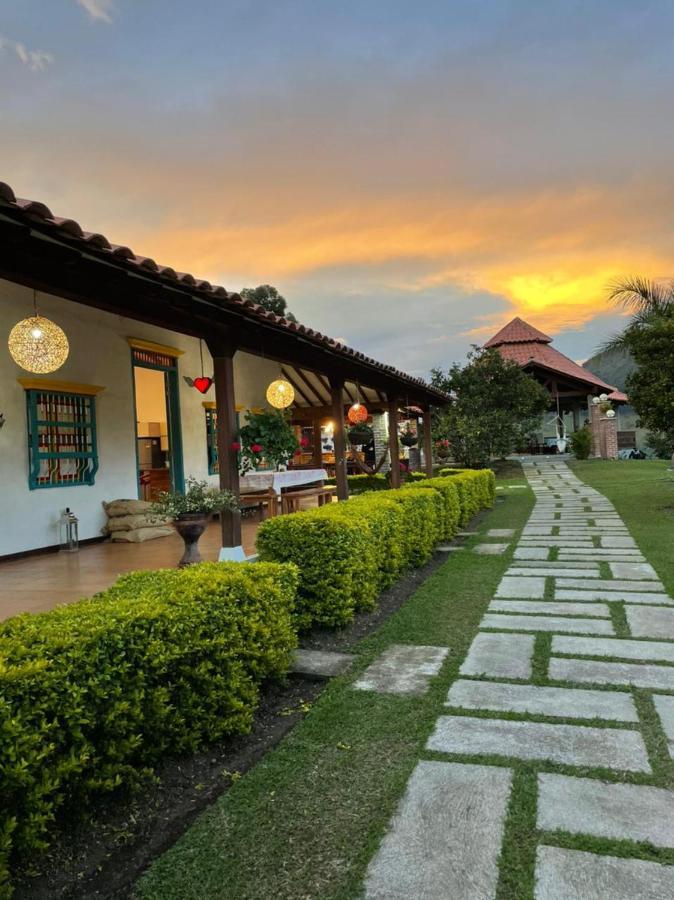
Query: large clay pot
[{"x": 190, "y": 527}]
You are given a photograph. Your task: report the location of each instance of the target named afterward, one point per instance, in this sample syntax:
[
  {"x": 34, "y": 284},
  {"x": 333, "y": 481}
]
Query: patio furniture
[{"x": 291, "y": 500}]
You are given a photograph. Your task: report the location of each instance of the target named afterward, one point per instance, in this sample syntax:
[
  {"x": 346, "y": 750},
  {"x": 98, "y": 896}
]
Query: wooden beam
[
  {"x": 393, "y": 446},
  {"x": 428, "y": 443},
  {"x": 321, "y": 399},
  {"x": 297, "y": 388},
  {"x": 223, "y": 378},
  {"x": 318, "y": 445},
  {"x": 349, "y": 394},
  {"x": 339, "y": 438}
]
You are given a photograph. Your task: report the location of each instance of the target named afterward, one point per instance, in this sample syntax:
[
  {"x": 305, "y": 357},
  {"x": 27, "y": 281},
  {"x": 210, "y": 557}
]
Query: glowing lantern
[
  {"x": 280, "y": 394},
  {"x": 357, "y": 414},
  {"x": 38, "y": 345}
]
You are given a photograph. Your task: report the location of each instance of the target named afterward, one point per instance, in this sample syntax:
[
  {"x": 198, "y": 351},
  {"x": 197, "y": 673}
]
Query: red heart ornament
[{"x": 202, "y": 384}]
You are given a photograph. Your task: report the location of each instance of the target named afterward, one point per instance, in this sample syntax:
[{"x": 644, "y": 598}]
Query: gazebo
[{"x": 570, "y": 386}]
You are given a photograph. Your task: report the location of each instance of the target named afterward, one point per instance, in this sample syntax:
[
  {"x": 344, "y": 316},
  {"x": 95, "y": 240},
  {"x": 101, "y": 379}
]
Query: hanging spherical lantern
[
  {"x": 38, "y": 345},
  {"x": 357, "y": 413},
  {"x": 280, "y": 394}
]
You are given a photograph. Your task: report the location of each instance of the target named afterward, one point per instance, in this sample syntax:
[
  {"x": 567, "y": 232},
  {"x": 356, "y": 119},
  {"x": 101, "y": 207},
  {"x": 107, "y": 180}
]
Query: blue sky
[{"x": 409, "y": 176}]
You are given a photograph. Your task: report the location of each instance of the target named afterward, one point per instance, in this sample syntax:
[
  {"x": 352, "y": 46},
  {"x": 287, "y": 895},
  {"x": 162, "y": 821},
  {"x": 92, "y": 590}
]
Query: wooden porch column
[
  {"x": 337, "y": 402},
  {"x": 393, "y": 446},
  {"x": 428, "y": 443},
  {"x": 318, "y": 446},
  {"x": 223, "y": 379}
]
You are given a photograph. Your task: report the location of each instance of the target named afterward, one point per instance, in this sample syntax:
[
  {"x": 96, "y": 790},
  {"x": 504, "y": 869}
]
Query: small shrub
[
  {"x": 581, "y": 443},
  {"x": 92, "y": 695}
]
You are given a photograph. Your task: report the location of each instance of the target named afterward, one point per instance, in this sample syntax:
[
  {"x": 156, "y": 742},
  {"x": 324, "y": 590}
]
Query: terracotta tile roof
[
  {"x": 38, "y": 214},
  {"x": 527, "y": 346},
  {"x": 518, "y": 332}
]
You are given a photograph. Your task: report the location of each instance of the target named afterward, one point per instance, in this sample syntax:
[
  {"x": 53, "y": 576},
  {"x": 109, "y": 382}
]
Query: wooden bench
[
  {"x": 268, "y": 500},
  {"x": 291, "y": 500}
]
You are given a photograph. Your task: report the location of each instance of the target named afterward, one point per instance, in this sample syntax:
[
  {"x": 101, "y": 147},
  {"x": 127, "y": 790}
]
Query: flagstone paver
[
  {"x": 445, "y": 838},
  {"x": 564, "y": 703},
  {"x": 633, "y": 812},
  {"x": 500, "y": 656},
  {"x": 490, "y": 549},
  {"x": 550, "y": 607},
  {"x": 575, "y": 745},
  {"x": 435, "y": 847},
  {"x": 618, "y": 648},
  {"x": 321, "y": 663},
  {"x": 659, "y": 678},
  {"x": 546, "y": 623},
  {"x": 402, "y": 669},
  {"x": 650, "y": 621},
  {"x": 577, "y": 875}
]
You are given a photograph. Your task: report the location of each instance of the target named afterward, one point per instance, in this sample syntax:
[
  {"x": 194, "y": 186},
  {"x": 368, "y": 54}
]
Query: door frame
[{"x": 168, "y": 364}]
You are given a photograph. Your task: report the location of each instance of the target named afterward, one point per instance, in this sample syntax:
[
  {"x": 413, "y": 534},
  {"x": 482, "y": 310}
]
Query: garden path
[{"x": 572, "y": 673}]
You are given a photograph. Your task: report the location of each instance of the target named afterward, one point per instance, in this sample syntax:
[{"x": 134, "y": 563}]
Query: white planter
[{"x": 562, "y": 445}]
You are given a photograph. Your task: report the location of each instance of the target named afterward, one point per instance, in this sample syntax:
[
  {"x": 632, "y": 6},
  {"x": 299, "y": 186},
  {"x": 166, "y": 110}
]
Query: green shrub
[
  {"x": 93, "y": 694},
  {"x": 477, "y": 489},
  {"x": 581, "y": 443},
  {"x": 358, "y": 484},
  {"x": 451, "y": 497},
  {"x": 423, "y": 512}
]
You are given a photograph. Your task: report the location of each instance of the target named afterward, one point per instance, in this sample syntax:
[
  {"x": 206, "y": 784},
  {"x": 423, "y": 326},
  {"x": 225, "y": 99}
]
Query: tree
[
  {"x": 267, "y": 295},
  {"x": 647, "y": 300},
  {"x": 651, "y": 387},
  {"x": 495, "y": 407}
]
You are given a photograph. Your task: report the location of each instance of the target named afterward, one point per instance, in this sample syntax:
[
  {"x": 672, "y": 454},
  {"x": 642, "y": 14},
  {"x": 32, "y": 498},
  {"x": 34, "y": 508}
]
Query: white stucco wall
[{"x": 99, "y": 354}]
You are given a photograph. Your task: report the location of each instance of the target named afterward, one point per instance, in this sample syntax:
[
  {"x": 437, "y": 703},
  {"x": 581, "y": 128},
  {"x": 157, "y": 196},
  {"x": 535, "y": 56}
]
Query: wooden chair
[
  {"x": 291, "y": 500},
  {"x": 268, "y": 500}
]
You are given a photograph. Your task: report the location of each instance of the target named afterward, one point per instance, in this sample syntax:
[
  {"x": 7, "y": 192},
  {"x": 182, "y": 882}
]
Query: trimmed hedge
[
  {"x": 359, "y": 484},
  {"x": 93, "y": 694},
  {"x": 347, "y": 553}
]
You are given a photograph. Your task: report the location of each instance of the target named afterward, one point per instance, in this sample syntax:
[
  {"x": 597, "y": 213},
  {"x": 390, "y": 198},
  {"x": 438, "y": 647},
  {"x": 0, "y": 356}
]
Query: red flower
[
  {"x": 236, "y": 446},
  {"x": 256, "y": 448},
  {"x": 297, "y": 452},
  {"x": 305, "y": 442}
]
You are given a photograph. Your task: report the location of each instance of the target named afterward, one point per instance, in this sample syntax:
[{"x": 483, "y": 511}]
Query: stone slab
[
  {"x": 499, "y": 656},
  {"x": 551, "y": 608},
  {"x": 594, "y": 671},
  {"x": 447, "y": 548},
  {"x": 617, "y": 541},
  {"x": 569, "y": 703},
  {"x": 554, "y": 571},
  {"x": 632, "y": 570},
  {"x": 522, "y": 587},
  {"x": 320, "y": 663},
  {"x": 578, "y": 875},
  {"x": 445, "y": 838},
  {"x": 651, "y": 621},
  {"x": 618, "y": 648},
  {"x": 555, "y": 541},
  {"x": 501, "y": 532},
  {"x": 402, "y": 669},
  {"x": 590, "y": 593},
  {"x": 608, "y": 584},
  {"x": 587, "y": 567},
  {"x": 607, "y": 553},
  {"x": 546, "y": 623},
  {"x": 633, "y": 812},
  {"x": 531, "y": 553},
  {"x": 575, "y": 745},
  {"x": 665, "y": 709},
  {"x": 490, "y": 549}
]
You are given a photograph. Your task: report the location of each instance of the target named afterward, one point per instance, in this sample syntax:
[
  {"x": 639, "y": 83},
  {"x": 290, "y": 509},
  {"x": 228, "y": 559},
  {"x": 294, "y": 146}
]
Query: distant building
[{"x": 571, "y": 386}]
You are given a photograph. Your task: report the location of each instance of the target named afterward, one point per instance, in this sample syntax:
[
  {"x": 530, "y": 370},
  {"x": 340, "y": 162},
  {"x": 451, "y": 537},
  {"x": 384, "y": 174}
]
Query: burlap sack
[
  {"x": 138, "y": 535},
  {"x": 132, "y": 523},
  {"x": 126, "y": 507}
]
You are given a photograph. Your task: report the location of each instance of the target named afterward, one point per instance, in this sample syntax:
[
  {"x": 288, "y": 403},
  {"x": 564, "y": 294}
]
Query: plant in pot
[
  {"x": 267, "y": 437},
  {"x": 360, "y": 434},
  {"x": 190, "y": 512},
  {"x": 408, "y": 437},
  {"x": 442, "y": 448}
]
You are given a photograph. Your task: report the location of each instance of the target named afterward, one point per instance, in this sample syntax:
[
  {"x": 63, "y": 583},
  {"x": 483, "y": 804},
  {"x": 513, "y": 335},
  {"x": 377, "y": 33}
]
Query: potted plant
[
  {"x": 408, "y": 438},
  {"x": 360, "y": 434},
  {"x": 267, "y": 436},
  {"x": 190, "y": 512},
  {"x": 442, "y": 448}
]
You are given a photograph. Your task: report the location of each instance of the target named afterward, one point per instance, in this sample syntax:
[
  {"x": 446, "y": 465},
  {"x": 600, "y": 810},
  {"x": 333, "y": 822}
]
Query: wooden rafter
[{"x": 297, "y": 388}]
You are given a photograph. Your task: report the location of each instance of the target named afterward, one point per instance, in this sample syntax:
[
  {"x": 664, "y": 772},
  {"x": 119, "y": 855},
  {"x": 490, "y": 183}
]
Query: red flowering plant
[
  {"x": 267, "y": 438},
  {"x": 442, "y": 448}
]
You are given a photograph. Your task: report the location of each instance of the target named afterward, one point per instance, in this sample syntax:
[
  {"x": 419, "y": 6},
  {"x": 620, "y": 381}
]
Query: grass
[{"x": 305, "y": 822}]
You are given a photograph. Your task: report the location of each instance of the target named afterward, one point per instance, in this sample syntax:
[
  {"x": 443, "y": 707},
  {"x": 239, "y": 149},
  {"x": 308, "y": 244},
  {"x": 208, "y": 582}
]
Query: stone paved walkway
[{"x": 578, "y": 621}]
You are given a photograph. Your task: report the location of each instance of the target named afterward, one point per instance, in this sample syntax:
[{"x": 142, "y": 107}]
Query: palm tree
[{"x": 649, "y": 301}]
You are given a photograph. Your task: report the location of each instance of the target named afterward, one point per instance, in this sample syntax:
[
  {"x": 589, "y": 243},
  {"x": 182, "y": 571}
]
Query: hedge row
[
  {"x": 93, "y": 694},
  {"x": 347, "y": 553},
  {"x": 358, "y": 484}
]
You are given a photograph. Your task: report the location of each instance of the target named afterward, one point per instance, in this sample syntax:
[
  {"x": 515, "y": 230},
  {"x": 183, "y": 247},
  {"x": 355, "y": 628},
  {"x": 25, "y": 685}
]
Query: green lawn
[
  {"x": 306, "y": 820},
  {"x": 642, "y": 492}
]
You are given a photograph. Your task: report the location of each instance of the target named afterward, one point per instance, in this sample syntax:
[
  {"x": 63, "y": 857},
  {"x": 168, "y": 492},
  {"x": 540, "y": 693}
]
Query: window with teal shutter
[{"x": 61, "y": 438}]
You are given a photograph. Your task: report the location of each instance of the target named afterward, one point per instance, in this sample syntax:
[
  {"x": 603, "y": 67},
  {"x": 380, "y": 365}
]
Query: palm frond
[{"x": 638, "y": 294}]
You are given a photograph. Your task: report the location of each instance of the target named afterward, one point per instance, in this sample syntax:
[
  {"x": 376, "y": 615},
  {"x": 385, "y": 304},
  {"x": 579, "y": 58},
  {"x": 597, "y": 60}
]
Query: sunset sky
[{"x": 409, "y": 175}]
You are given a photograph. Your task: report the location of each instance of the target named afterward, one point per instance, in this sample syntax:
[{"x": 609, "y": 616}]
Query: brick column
[
  {"x": 609, "y": 438},
  {"x": 595, "y": 430}
]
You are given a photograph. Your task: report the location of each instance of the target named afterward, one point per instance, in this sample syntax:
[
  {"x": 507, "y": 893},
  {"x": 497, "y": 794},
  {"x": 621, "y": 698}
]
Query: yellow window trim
[
  {"x": 210, "y": 404},
  {"x": 63, "y": 387},
  {"x": 139, "y": 344}
]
